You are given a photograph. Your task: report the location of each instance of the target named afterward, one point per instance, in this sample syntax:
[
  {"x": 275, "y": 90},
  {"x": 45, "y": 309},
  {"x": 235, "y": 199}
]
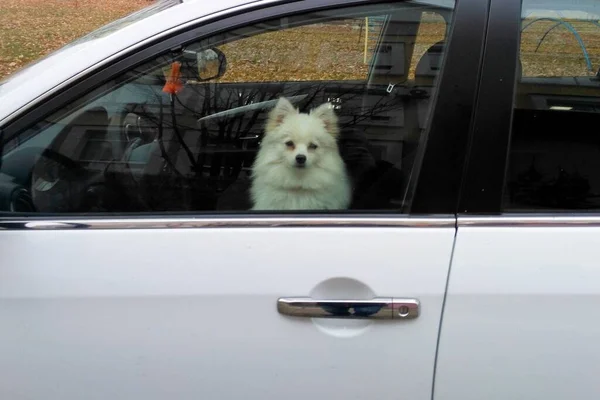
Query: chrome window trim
[
  {"x": 530, "y": 220},
  {"x": 227, "y": 222}
]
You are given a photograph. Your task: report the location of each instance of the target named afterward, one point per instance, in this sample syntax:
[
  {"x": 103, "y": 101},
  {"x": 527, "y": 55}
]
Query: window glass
[
  {"x": 326, "y": 52},
  {"x": 318, "y": 112},
  {"x": 560, "y": 38},
  {"x": 554, "y": 158}
]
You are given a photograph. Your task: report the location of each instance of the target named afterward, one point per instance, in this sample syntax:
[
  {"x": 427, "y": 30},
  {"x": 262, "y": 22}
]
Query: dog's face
[{"x": 300, "y": 141}]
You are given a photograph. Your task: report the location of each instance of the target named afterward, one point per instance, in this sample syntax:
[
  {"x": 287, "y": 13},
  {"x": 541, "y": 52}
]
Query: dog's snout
[{"x": 300, "y": 158}]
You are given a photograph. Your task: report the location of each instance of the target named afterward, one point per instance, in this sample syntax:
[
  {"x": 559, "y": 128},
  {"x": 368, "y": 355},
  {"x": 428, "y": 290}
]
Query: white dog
[{"x": 298, "y": 166}]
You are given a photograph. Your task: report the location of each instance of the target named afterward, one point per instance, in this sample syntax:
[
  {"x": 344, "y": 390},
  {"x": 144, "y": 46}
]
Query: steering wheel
[{"x": 58, "y": 183}]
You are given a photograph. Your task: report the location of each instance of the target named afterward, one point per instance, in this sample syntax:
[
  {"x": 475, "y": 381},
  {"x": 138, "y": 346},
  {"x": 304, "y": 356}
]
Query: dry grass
[
  {"x": 559, "y": 54},
  {"x": 316, "y": 52},
  {"x": 30, "y": 29}
]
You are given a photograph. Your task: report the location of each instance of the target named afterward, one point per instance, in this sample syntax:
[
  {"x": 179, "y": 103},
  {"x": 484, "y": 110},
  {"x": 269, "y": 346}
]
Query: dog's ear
[
  {"x": 282, "y": 109},
  {"x": 326, "y": 114}
]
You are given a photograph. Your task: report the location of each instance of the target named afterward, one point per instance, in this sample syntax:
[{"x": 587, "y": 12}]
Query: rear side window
[
  {"x": 554, "y": 160},
  {"x": 317, "y": 112}
]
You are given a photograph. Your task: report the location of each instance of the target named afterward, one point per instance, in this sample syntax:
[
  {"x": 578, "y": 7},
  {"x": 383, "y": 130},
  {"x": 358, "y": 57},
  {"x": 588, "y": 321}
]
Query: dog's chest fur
[{"x": 271, "y": 198}]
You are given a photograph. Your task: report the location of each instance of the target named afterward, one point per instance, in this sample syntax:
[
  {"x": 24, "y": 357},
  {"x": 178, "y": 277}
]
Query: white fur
[{"x": 277, "y": 181}]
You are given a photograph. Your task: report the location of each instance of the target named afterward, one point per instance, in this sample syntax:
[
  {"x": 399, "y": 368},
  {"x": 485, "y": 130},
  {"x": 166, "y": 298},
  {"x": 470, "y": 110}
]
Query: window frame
[
  {"x": 455, "y": 89},
  {"x": 485, "y": 175},
  {"x": 489, "y": 142},
  {"x": 456, "y": 96}
]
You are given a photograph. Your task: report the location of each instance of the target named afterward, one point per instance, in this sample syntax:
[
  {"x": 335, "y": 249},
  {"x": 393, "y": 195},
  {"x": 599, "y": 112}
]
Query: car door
[
  {"x": 524, "y": 282},
  {"x": 131, "y": 266}
]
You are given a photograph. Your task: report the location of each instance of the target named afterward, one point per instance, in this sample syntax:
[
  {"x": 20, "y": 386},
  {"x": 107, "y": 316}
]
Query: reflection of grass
[
  {"x": 30, "y": 29},
  {"x": 336, "y": 52},
  {"x": 319, "y": 52},
  {"x": 559, "y": 54},
  {"x": 314, "y": 52}
]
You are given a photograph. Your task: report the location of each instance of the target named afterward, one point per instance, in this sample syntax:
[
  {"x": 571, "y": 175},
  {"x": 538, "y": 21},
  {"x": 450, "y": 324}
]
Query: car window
[
  {"x": 554, "y": 158},
  {"x": 321, "y": 112}
]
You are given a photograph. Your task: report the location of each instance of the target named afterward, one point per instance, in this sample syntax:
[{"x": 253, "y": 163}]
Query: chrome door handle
[{"x": 377, "y": 308}]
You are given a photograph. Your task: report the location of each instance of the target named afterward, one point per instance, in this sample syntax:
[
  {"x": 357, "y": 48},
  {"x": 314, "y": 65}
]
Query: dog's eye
[
  {"x": 312, "y": 146},
  {"x": 289, "y": 143}
]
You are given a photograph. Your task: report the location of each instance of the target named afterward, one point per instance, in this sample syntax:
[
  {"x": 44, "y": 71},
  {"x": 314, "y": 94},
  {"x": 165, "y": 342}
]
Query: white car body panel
[
  {"x": 180, "y": 313},
  {"x": 519, "y": 319}
]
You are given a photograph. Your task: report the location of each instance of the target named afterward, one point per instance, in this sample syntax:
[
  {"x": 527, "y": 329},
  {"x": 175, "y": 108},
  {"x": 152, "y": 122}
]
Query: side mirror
[{"x": 204, "y": 65}]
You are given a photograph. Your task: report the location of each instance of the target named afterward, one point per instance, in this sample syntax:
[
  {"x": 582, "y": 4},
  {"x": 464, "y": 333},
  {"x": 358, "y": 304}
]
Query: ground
[{"x": 30, "y": 29}]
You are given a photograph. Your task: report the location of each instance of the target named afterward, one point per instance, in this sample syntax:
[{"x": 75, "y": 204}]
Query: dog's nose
[{"x": 300, "y": 158}]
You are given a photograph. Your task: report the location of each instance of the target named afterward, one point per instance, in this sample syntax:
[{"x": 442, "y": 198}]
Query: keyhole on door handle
[{"x": 403, "y": 311}]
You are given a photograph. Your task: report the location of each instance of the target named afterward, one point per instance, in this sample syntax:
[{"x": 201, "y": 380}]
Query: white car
[{"x": 466, "y": 267}]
